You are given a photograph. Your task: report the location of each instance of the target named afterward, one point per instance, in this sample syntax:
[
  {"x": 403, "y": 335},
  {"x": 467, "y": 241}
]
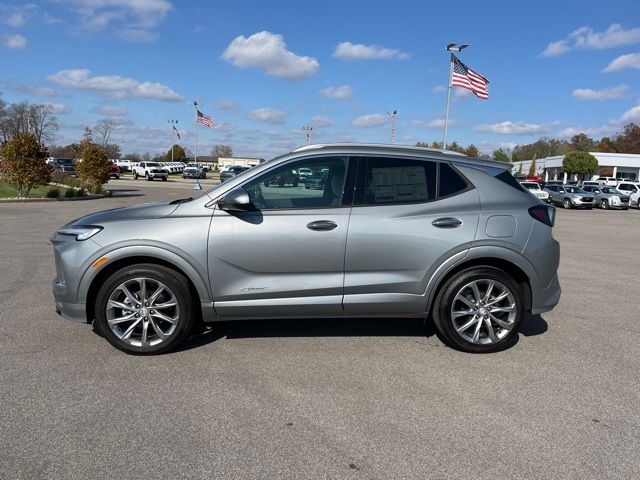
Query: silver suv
[{"x": 391, "y": 232}]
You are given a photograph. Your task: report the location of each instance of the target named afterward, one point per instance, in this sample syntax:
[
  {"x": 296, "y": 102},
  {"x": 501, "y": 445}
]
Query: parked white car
[
  {"x": 150, "y": 170},
  {"x": 633, "y": 190},
  {"x": 534, "y": 189}
]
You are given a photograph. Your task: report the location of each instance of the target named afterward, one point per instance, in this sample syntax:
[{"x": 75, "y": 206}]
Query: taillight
[{"x": 544, "y": 213}]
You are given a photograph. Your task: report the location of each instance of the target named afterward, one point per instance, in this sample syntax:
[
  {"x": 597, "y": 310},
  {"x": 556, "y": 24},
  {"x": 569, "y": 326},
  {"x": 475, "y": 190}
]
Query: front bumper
[
  {"x": 192, "y": 174},
  {"x": 158, "y": 174},
  {"x": 75, "y": 312},
  {"x": 576, "y": 202}
]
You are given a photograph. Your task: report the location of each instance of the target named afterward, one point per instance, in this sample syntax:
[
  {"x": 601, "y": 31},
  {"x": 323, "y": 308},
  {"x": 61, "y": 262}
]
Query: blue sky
[{"x": 265, "y": 69}]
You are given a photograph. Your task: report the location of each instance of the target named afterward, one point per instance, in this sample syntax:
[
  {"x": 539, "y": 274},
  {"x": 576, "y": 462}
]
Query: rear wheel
[
  {"x": 145, "y": 309},
  {"x": 479, "y": 309}
]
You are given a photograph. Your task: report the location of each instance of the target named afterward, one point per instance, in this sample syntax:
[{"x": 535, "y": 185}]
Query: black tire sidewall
[
  {"x": 444, "y": 300},
  {"x": 173, "y": 280}
]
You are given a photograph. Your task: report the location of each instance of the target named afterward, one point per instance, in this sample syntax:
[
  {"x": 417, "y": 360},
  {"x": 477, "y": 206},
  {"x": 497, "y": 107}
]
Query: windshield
[
  {"x": 152, "y": 164},
  {"x": 610, "y": 190},
  {"x": 572, "y": 189},
  {"x": 64, "y": 161}
]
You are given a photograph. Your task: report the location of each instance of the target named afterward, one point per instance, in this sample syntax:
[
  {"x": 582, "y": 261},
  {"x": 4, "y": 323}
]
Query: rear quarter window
[
  {"x": 450, "y": 181},
  {"x": 506, "y": 177}
]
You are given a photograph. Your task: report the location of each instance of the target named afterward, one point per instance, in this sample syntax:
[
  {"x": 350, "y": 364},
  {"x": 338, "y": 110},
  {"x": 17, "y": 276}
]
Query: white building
[
  {"x": 242, "y": 162},
  {"x": 618, "y": 165}
]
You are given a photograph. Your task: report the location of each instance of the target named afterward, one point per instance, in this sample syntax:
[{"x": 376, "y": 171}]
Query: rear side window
[
  {"x": 396, "y": 180},
  {"x": 507, "y": 178},
  {"x": 450, "y": 181}
]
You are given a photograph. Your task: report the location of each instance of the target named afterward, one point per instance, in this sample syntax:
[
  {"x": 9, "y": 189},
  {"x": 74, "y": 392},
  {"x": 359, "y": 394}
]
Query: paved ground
[{"x": 323, "y": 400}]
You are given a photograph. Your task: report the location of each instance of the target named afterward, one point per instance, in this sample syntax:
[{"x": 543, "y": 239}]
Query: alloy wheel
[
  {"x": 142, "y": 312},
  {"x": 483, "y": 311}
]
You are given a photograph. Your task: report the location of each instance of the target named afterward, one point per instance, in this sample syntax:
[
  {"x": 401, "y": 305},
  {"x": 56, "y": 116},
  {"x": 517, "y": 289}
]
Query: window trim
[{"x": 350, "y": 172}]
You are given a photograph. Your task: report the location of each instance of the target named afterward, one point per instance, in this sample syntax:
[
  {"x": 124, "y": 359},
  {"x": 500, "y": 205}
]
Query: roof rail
[{"x": 390, "y": 146}]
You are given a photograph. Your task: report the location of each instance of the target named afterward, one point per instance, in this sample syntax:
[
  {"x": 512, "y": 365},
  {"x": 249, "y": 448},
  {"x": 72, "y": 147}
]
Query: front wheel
[
  {"x": 135, "y": 175},
  {"x": 604, "y": 204},
  {"x": 566, "y": 203},
  {"x": 479, "y": 309},
  {"x": 145, "y": 309},
  {"x": 164, "y": 179}
]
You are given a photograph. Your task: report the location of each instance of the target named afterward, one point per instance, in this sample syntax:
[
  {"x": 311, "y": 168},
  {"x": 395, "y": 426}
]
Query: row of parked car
[{"x": 597, "y": 193}]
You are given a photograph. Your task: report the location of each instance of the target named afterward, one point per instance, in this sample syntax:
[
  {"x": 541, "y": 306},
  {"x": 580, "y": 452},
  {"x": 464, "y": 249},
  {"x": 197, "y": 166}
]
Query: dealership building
[{"x": 625, "y": 166}]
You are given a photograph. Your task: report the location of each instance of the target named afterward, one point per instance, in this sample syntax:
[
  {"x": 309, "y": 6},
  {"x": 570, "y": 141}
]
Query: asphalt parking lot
[{"x": 379, "y": 399}]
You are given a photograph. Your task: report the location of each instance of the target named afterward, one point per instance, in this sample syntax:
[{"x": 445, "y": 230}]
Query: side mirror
[{"x": 237, "y": 200}]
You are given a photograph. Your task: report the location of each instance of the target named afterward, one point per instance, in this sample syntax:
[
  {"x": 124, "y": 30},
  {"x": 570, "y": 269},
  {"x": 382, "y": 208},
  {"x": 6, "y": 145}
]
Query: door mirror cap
[{"x": 237, "y": 200}]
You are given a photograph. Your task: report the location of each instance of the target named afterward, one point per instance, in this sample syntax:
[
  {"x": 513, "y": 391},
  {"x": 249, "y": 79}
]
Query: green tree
[
  {"x": 222, "y": 151},
  {"x": 24, "y": 163},
  {"x": 456, "y": 147},
  {"x": 582, "y": 142},
  {"x": 579, "y": 163},
  {"x": 606, "y": 145},
  {"x": 179, "y": 155},
  {"x": 472, "y": 151},
  {"x": 501, "y": 155},
  {"x": 532, "y": 168},
  {"x": 94, "y": 169}
]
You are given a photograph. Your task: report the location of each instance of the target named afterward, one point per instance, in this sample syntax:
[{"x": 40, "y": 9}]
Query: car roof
[{"x": 406, "y": 150}]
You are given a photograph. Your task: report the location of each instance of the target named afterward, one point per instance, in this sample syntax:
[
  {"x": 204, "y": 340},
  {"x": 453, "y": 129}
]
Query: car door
[
  {"x": 408, "y": 216},
  {"x": 284, "y": 258}
]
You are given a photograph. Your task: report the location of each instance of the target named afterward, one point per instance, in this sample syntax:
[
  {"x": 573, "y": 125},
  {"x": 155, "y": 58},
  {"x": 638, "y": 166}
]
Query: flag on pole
[
  {"x": 463, "y": 76},
  {"x": 176, "y": 132},
  {"x": 205, "y": 120}
]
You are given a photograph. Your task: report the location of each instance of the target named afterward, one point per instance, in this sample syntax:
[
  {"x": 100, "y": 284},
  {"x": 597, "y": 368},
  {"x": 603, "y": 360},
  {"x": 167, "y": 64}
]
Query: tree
[
  {"x": 95, "y": 167},
  {"x": 73, "y": 150},
  {"x": 134, "y": 157},
  {"x": 472, "y": 151},
  {"x": 501, "y": 155},
  {"x": 221, "y": 151},
  {"x": 532, "y": 168},
  {"x": 455, "y": 147},
  {"x": 628, "y": 141},
  {"x": 606, "y": 145},
  {"x": 102, "y": 131},
  {"x": 24, "y": 163},
  {"x": 24, "y": 117},
  {"x": 579, "y": 163},
  {"x": 582, "y": 142},
  {"x": 113, "y": 151},
  {"x": 179, "y": 155}
]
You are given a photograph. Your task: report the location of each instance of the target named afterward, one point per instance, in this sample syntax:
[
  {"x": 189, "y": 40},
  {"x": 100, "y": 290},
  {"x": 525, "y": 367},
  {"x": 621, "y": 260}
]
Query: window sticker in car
[{"x": 399, "y": 184}]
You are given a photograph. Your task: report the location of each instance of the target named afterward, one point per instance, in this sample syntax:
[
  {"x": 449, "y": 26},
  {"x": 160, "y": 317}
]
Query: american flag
[
  {"x": 205, "y": 120},
  {"x": 176, "y": 132},
  {"x": 464, "y": 77}
]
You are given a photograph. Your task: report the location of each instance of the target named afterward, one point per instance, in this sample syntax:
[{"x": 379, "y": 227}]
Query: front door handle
[
  {"x": 322, "y": 225},
  {"x": 447, "y": 222}
]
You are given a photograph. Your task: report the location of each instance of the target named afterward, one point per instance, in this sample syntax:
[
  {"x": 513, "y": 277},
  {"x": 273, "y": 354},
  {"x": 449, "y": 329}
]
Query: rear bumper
[{"x": 543, "y": 300}]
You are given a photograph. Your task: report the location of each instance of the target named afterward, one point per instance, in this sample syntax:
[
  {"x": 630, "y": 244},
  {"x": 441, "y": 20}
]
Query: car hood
[{"x": 145, "y": 210}]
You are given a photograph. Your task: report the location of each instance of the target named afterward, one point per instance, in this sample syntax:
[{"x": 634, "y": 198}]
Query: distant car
[
  {"x": 150, "y": 170},
  {"x": 611, "y": 181},
  {"x": 304, "y": 172},
  {"x": 115, "y": 171},
  {"x": 316, "y": 181},
  {"x": 608, "y": 197},
  {"x": 632, "y": 189},
  {"x": 594, "y": 183},
  {"x": 534, "y": 189},
  {"x": 570, "y": 196},
  {"x": 65, "y": 165},
  {"x": 287, "y": 177},
  {"x": 232, "y": 172},
  {"x": 194, "y": 170}
]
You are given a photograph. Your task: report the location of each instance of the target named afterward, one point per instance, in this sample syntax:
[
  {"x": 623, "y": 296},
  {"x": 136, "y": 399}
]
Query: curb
[{"x": 44, "y": 199}]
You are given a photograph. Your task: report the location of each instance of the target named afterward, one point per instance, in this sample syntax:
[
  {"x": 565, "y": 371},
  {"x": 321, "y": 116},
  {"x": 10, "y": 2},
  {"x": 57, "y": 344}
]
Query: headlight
[{"x": 81, "y": 232}]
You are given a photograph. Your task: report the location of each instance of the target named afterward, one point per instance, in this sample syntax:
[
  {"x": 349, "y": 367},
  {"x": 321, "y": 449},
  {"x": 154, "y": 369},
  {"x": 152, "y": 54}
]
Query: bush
[
  {"x": 24, "y": 163},
  {"x": 53, "y": 193},
  {"x": 579, "y": 163},
  {"x": 70, "y": 193},
  {"x": 94, "y": 169},
  {"x": 63, "y": 178}
]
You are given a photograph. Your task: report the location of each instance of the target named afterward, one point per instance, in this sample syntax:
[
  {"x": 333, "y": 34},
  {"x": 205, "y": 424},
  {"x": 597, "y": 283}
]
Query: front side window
[
  {"x": 396, "y": 180},
  {"x": 284, "y": 188}
]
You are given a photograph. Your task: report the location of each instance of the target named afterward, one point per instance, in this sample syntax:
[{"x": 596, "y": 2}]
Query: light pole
[
  {"x": 308, "y": 130},
  {"x": 393, "y": 125},
  {"x": 173, "y": 124},
  {"x": 452, "y": 47}
]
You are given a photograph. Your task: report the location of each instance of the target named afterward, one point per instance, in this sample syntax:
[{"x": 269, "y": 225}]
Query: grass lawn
[{"x": 8, "y": 191}]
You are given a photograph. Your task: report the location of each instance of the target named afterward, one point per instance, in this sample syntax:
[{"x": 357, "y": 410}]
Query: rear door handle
[
  {"x": 322, "y": 225},
  {"x": 447, "y": 222}
]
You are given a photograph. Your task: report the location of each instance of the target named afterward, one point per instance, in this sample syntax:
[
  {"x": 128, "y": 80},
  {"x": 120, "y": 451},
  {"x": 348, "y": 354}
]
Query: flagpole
[
  {"x": 446, "y": 115},
  {"x": 197, "y": 186}
]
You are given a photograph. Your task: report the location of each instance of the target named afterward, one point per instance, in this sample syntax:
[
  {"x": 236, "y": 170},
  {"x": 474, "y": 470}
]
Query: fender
[
  {"x": 488, "y": 251},
  {"x": 159, "y": 250}
]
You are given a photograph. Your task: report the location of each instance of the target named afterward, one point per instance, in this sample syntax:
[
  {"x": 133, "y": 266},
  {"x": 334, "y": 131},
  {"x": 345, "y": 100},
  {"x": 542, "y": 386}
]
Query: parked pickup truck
[{"x": 150, "y": 170}]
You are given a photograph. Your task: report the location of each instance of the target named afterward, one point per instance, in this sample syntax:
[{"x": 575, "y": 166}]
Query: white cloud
[
  {"x": 15, "y": 42},
  {"x": 512, "y": 128},
  {"x": 624, "y": 62},
  {"x": 371, "y": 120},
  {"x": 435, "y": 123},
  {"x": 587, "y": 38},
  {"x": 109, "y": 111},
  {"x": 113, "y": 85},
  {"x": 133, "y": 20},
  {"x": 359, "y": 51},
  {"x": 268, "y": 51},
  {"x": 460, "y": 92},
  {"x": 58, "y": 108},
  {"x": 320, "y": 121},
  {"x": 228, "y": 105},
  {"x": 631, "y": 115},
  {"x": 268, "y": 115},
  {"x": 602, "y": 94},
  {"x": 342, "y": 92},
  {"x": 439, "y": 89},
  {"x": 606, "y": 129},
  {"x": 31, "y": 89},
  {"x": 16, "y": 16}
]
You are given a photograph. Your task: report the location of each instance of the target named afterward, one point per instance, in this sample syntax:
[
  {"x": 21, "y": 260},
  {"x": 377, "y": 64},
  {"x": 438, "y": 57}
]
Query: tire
[
  {"x": 164, "y": 179},
  {"x": 135, "y": 175},
  {"x": 604, "y": 205},
  {"x": 155, "y": 275},
  {"x": 460, "y": 285},
  {"x": 184, "y": 177},
  {"x": 566, "y": 203},
  {"x": 148, "y": 177}
]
